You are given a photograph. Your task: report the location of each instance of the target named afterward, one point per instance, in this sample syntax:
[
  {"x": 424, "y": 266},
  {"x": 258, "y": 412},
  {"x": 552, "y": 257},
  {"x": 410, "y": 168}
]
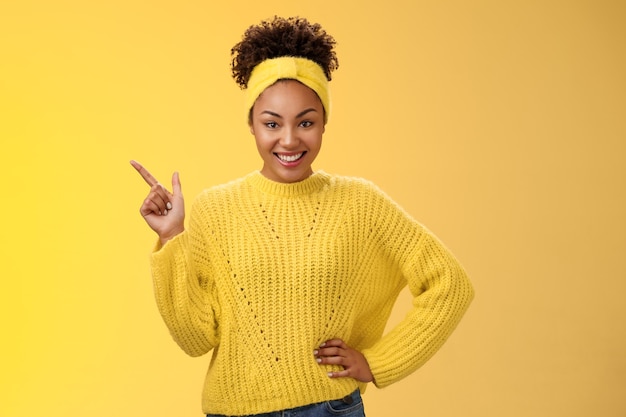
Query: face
[{"x": 288, "y": 123}]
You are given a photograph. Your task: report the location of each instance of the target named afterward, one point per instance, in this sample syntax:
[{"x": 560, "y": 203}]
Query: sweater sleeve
[
  {"x": 185, "y": 296},
  {"x": 441, "y": 294}
]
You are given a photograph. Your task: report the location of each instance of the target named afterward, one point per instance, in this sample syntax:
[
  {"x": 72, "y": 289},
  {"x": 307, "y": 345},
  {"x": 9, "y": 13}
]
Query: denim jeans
[{"x": 348, "y": 406}]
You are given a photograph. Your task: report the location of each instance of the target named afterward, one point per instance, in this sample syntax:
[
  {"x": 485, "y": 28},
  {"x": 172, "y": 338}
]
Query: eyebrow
[{"x": 302, "y": 113}]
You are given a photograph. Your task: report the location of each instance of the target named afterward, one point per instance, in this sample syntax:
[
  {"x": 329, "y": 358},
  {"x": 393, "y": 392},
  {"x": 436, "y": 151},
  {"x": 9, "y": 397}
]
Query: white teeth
[{"x": 290, "y": 158}]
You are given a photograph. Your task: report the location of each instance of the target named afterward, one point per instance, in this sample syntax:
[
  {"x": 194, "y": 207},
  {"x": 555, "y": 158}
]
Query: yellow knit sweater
[{"x": 265, "y": 272}]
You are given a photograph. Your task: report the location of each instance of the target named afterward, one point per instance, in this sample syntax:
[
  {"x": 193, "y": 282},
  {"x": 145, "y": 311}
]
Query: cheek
[
  {"x": 318, "y": 139},
  {"x": 263, "y": 142}
]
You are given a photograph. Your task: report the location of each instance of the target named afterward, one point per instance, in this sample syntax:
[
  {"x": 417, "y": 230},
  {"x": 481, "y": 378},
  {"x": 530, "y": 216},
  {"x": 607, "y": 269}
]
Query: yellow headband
[{"x": 304, "y": 70}]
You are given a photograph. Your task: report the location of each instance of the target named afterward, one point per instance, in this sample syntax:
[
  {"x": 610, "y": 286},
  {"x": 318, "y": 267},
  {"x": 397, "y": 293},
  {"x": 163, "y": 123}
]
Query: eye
[
  {"x": 271, "y": 125},
  {"x": 306, "y": 123}
]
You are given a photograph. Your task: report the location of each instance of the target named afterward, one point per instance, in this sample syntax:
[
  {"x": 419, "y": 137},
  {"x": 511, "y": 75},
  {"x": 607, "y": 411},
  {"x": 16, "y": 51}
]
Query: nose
[{"x": 289, "y": 138}]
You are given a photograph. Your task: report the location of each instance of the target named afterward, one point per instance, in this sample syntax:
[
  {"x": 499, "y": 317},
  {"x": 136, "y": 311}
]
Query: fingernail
[
  {"x": 330, "y": 374},
  {"x": 318, "y": 360},
  {"x": 165, "y": 213},
  {"x": 323, "y": 344},
  {"x": 169, "y": 205},
  {"x": 315, "y": 352}
]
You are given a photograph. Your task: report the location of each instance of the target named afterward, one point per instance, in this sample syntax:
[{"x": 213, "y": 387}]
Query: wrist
[{"x": 164, "y": 238}]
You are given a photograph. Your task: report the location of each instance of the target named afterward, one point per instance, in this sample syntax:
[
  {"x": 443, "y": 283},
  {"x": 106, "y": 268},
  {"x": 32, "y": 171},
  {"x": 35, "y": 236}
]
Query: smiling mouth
[{"x": 290, "y": 158}]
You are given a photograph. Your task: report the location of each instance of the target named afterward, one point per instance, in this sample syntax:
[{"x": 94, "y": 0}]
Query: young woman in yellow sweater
[{"x": 289, "y": 275}]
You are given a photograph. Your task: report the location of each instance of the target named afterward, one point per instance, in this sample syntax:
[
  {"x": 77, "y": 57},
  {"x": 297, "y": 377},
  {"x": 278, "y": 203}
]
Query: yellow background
[{"x": 501, "y": 125}]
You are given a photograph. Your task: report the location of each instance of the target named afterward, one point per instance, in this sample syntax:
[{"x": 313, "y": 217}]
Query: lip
[{"x": 290, "y": 164}]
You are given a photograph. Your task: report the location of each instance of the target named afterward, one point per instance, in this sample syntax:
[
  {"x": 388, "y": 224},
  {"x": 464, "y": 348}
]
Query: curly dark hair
[{"x": 277, "y": 37}]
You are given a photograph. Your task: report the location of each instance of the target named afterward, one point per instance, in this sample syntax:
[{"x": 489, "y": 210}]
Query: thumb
[{"x": 176, "y": 187}]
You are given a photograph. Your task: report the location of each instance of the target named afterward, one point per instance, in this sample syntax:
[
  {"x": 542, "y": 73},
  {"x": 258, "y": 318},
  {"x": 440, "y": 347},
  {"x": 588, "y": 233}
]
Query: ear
[{"x": 250, "y": 126}]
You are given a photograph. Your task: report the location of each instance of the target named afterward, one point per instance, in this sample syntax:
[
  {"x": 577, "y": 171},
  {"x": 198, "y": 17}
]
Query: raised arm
[{"x": 183, "y": 294}]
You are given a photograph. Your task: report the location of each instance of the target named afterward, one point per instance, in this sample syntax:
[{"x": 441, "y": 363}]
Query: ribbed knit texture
[{"x": 265, "y": 272}]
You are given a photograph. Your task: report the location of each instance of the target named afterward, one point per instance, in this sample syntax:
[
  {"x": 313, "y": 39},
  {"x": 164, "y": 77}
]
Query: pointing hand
[{"x": 163, "y": 211}]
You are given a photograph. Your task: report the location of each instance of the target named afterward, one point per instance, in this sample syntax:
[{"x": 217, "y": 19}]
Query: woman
[{"x": 287, "y": 274}]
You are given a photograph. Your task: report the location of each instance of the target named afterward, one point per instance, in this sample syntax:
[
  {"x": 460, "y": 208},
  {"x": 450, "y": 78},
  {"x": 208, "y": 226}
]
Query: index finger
[{"x": 144, "y": 173}]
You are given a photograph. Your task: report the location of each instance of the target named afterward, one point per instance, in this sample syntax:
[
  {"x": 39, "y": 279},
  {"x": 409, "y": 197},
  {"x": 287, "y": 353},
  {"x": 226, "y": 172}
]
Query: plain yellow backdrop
[{"x": 501, "y": 125}]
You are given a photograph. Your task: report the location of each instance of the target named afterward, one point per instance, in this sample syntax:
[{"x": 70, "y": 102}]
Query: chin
[{"x": 293, "y": 177}]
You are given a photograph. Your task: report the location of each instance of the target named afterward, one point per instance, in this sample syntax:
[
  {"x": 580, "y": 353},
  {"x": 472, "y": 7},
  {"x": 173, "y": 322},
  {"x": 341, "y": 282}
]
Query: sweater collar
[{"x": 310, "y": 185}]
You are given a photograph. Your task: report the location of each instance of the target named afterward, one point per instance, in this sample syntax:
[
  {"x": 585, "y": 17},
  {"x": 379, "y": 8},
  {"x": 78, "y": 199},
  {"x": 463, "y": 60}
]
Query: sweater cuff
[
  {"x": 174, "y": 242},
  {"x": 379, "y": 367}
]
